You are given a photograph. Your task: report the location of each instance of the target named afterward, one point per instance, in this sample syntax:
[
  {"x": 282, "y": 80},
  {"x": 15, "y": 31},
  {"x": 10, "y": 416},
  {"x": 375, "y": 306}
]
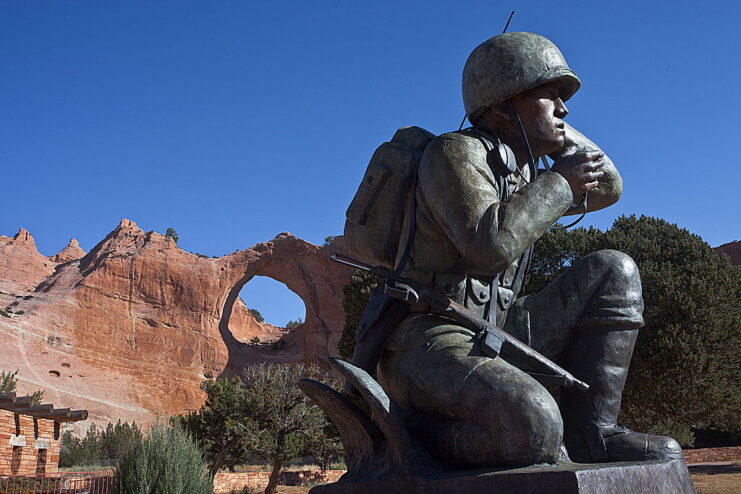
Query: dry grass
[
  {"x": 717, "y": 479},
  {"x": 713, "y": 479}
]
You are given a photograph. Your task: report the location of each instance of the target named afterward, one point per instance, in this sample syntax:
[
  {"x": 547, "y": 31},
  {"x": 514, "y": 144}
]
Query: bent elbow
[{"x": 492, "y": 259}]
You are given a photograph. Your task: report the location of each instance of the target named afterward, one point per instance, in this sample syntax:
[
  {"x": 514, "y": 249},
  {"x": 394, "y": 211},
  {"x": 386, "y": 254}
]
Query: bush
[
  {"x": 80, "y": 451},
  {"x": 166, "y": 462},
  {"x": 355, "y": 297},
  {"x": 294, "y": 324},
  {"x": 256, "y": 314},
  {"x": 98, "y": 446},
  {"x": 171, "y": 233}
]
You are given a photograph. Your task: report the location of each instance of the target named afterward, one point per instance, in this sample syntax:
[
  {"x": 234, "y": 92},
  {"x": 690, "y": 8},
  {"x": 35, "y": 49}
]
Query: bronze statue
[
  {"x": 479, "y": 205},
  {"x": 477, "y": 217}
]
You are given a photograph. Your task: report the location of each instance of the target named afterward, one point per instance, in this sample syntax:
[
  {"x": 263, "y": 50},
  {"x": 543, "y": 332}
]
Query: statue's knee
[
  {"x": 529, "y": 423},
  {"x": 616, "y": 263}
]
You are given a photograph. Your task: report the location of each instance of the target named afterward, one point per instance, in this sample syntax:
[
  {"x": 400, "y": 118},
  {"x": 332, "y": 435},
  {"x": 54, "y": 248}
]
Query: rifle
[{"x": 494, "y": 341}]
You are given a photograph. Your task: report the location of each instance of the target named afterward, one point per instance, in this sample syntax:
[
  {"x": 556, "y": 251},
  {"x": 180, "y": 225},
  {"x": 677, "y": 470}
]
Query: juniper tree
[
  {"x": 683, "y": 375},
  {"x": 685, "y": 367}
]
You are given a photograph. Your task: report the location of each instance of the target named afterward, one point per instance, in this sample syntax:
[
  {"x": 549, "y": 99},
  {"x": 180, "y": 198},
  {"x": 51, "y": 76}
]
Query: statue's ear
[{"x": 502, "y": 111}]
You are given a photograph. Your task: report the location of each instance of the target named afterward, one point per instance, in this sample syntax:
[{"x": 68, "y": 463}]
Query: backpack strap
[{"x": 411, "y": 224}]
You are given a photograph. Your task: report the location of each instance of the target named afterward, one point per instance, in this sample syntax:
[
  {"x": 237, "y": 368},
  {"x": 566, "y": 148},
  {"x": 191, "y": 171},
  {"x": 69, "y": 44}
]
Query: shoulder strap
[{"x": 411, "y": 226}]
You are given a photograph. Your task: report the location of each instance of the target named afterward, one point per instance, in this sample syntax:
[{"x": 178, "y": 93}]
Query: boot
[{"x": 601, "y": 358}]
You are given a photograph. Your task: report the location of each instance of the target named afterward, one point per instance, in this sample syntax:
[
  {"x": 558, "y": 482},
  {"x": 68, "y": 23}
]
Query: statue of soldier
[{"x": 480, "y": 206}]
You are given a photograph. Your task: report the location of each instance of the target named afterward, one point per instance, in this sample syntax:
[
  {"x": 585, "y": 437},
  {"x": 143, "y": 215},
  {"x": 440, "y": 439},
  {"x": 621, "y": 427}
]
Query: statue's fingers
[
  {"x": 590, "y": 186},
  {"x": 593, "y": 165}
]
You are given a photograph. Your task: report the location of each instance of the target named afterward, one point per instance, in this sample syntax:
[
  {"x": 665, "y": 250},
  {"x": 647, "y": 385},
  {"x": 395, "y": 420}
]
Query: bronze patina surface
[{"x": 480, "y": 204}]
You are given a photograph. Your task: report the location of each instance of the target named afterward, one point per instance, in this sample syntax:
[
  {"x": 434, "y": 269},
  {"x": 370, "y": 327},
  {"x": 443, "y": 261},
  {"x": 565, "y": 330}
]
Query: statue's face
[{"x": 542, "y": 111}]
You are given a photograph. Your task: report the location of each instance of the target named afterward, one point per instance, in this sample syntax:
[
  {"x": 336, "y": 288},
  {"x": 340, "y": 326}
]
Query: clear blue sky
[{"x": 234, "y": 121}]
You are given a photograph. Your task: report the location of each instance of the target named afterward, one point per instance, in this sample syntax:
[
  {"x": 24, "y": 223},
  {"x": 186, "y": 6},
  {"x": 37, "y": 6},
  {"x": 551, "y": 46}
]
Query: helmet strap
[
  {"x": 525, "y": 142},
  {"x": 465, "y": 116}
]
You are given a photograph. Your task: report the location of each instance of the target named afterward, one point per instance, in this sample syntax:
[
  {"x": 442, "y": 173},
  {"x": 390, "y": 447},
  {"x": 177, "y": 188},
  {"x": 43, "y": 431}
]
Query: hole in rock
[
  {"x": 55, "y": 373},
  {"x": 272, "y": 304}
]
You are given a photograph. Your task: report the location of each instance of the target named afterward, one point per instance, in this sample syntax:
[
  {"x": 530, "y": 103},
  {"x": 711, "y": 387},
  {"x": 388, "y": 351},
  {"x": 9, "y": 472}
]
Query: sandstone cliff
[
  {"x": 130, "y": 329},
  {"x": 732, "y": 250}
]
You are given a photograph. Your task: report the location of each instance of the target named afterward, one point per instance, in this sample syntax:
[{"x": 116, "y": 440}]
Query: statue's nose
[{"x": 560, "y": 109}]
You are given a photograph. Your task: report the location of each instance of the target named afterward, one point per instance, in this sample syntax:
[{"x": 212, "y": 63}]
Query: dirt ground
[
  {"x": 722, "y": 478},
  {"x": 714, "y": 479},
  {"x": 282, "y": 489}
]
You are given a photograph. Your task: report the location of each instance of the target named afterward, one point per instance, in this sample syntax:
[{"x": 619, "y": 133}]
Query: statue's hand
[{"x": 581, "y": 170}]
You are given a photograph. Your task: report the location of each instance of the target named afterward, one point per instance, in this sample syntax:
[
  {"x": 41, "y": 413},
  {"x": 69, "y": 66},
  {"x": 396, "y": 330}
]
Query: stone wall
[
  {"x": 709, "y": 455},
  {"x": 27, "y": 444},
  {"x": 226, "y": 483}
]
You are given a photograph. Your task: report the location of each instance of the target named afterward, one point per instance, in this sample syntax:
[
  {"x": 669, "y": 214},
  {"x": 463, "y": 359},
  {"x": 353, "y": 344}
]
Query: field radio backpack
[{"x": 375, "y": 217}]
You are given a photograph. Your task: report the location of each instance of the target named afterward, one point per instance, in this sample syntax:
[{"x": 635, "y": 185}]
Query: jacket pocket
[
  {"x": 505, "y": 297},
  {"x": 479, "y": 291},
  {"x": 451, "y": 285}
]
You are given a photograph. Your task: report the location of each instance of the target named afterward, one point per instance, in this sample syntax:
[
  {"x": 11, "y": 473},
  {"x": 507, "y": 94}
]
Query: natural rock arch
[
  {"x": 139, "y": 320},
  {"x": 307, "y": 271}
]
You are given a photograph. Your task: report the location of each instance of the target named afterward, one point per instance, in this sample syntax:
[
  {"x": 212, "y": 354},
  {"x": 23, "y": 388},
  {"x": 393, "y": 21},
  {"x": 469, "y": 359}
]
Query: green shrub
[
  {"x": 168, "y": 461},
  {"x": 256, "y": 314},
  {"x": 355, "y": 297},
  {"x": 171, "y": 233},
  {"x": 98, "y": 446},
  {"x": 294, "y": 324}
]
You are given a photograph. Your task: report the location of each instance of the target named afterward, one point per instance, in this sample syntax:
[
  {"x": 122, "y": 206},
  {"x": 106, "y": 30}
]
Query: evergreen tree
[
  {"x": 256, "y": 314},
  {"x": 115, "y": 440},
  {"x": 355, "y": 297},
  {"x": 171, "y": 233},
  {"x": 262, "y": 414},
  {"x": 685, "y": 367},
  {"x": 219, "y": 427},
  {"x": 284, "y": 419}
]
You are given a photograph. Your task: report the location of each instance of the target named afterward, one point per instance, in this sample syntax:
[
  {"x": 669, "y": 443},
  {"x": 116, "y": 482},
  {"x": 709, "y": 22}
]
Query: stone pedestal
[{"x": 667, "y": 477}]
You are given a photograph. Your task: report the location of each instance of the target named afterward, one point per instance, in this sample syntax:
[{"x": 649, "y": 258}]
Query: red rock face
[
  {"x": 70, "y": 253},
  {"x": 130, "y": 329},
  {"x": 732, "y": 250},
  {"x": 21, "y": 265}
]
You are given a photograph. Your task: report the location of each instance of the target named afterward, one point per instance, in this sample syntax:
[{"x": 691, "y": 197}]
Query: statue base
[{"x": 660, "y": 477}]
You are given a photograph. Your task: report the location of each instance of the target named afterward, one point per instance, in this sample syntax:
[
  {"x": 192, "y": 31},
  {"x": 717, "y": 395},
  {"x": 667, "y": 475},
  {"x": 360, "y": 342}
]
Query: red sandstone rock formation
[
  {"x": 732, "y": 250},
  {"x": 130, "y": 329},
  {"x": 72, "y": 252},
  {"x": 21, "y": 265},
  {"x": 244, "y": 327}
]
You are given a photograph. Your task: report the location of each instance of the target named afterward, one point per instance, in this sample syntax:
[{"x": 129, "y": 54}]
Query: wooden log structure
[
  {"x": 74, "y": 416},
  {"x": 7, "y": 398},
  {"x": 56, "y": 414},
  {"x": 35, "y": 410},
  {"x": 20, "y": 402},
  {"x": 23, "y": 405}
]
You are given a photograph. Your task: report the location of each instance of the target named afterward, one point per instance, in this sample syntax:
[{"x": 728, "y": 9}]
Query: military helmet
[{"x": 510, "y": 63}]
